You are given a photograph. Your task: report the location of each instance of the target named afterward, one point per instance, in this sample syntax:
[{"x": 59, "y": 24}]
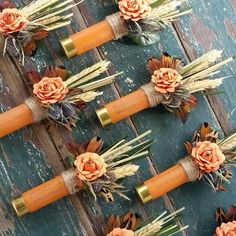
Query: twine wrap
[
  {"x": 38, "y": 111},
  {"x": 117, "y": 24},
  {"x": 154, "y": 98},
  {"x": 190, "y": 168},
  {"x": 69, "y": 177}
]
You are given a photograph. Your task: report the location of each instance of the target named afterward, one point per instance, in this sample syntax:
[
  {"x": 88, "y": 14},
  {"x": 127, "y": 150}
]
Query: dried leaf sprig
[
  {"x": 99, "y": 170},
  {"x": 63, "y": 96},
  {"x": 215, "y": 158},
  {"x": 145, "y": 19},
  {"x": 23, "y": 27},
  {"x": 131, "y": 225},
  {"x": 176, "y": 83}
]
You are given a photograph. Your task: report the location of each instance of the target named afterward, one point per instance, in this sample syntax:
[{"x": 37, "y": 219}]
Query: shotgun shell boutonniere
[
  {"x": 208, "y": 159},
  {"x": 132, "y": 225},
  {"x": 93, "y": 168},
  {"x": 57, "y": 96},
  {"x": 172, "y": 84},
  {"x": 226, "y": 222},
  {"x": 22, "y": 28},
  {"x": 141, "y": 20}
]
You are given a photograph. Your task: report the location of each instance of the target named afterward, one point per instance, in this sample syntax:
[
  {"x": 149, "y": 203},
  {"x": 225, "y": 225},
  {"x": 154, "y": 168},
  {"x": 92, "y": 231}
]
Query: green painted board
[{"x": 35, "y": 154}]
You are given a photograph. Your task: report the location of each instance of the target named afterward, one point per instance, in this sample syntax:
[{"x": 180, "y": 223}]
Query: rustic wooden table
[{"x": 35, "y": 154}]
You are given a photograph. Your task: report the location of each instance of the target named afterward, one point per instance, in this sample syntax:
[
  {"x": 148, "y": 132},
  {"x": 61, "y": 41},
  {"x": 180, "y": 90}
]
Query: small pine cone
[{"x": 97, "y": 187}]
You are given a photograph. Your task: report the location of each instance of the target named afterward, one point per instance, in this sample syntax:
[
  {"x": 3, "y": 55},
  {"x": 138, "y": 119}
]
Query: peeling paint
[
  {"x": 233, "y": 2},
  {"x": 230, "y": 28},
  {"x": 199, "y": 29},
  {"x": 6, "y": 225}
]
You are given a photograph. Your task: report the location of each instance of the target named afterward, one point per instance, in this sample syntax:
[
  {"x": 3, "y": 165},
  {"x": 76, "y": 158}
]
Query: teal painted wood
[{"x": 27, "y": 161}]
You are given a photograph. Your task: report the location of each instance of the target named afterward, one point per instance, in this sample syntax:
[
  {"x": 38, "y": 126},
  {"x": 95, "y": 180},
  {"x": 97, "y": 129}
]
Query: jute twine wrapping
[
  {"x": 190, "y": 168},
  {"x": 117, "y": 24},
  {"x": 69, "y": 177},
  {"x": 38, "y": 111},
  {"x": 154, "y": 98}
]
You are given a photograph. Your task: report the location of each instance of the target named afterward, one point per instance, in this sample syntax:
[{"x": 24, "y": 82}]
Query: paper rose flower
[
  {"x": 207, "y": 156},
  {"x": 134, "y": 10},
  {"x": 11, "y": 21},
  {"x": 226, "y": 229},
  {"x": 121, "y": 232},
  {"x": 90, "y": 166},
  {"x": 50, "y": 90},
  {"x": 166, "y": 80}
]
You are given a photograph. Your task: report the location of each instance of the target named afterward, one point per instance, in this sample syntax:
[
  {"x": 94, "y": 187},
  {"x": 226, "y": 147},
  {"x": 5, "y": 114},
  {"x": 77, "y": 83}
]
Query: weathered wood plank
[{"x": 80, "y": 213}]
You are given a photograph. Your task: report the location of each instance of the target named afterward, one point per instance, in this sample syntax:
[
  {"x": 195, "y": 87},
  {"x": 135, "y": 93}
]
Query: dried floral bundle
[
  {"x": 213, "y": 157},
  {"x": 99, "y": 170},
  {"x": 226, "y": 222},
  {"x": 175, "y": 82},
  {"x": 63, "y": 96},
  {"x": 145, "y": 19},
  {"x": 21, "y": 28},
  {"x": 132, "y": 225}
]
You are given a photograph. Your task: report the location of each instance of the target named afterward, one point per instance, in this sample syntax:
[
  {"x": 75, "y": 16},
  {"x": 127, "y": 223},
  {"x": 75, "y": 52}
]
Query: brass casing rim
[
  {"x": 68, "y": 47},
  {"x": 143, "y": 193},
  {"x": 19, "y": 206},
  {"x": 103, "y": 116}
]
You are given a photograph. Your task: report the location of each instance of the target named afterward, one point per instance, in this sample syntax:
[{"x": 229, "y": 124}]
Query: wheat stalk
[
  {"x": 228, "y": 143},
  {"x": 87, "y": 74},
  {"x": 203, "y": 74},
  {"x": 201, "y": 63},
  {"x": 86, "y": 97},
  {"x": 149, "y": 229},
  {"x": 109, "y": 154},
  {"x": 197, "y": 86},
  {"x": 126, "y": 170},
  {"x": 99, "y": 83}
]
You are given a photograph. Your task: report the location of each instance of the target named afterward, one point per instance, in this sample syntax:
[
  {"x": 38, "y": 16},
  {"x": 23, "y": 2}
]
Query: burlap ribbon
[
  {"x": 117, "y": 24},
  {"x": 38, "y": 111},
  {"x": 154, "y": 98},
  {"x": 190, "y": 168}
]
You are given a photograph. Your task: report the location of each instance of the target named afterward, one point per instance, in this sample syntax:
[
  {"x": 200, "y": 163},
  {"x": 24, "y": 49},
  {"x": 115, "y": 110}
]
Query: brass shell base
[
  {"x": 143, "y": 193},
  {"x": 19, "y": 206},
  {"x": 103, "y": 116},
  {"x": 68, "y": 47}
]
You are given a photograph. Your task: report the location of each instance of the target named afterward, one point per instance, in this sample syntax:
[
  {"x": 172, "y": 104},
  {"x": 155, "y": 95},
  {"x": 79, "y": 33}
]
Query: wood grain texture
[{"x": 36, "y": 154}]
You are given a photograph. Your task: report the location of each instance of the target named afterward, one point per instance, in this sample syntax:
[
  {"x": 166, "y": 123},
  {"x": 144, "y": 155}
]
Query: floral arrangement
[
  {"x": 226, "y": 222},
  {"x": 145, "y": 18},
  {"x": 213, "y": 157},
  {"x": 99, "y": 170},
  {"x": 63, "y": 96},
  {"x": 132, "y": 225},
  {"x": 175, "y": 82},
  {"x": 22, "y": 28}
]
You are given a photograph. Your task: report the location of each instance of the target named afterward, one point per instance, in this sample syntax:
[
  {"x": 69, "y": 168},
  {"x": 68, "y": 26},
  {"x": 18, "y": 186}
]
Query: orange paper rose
[
  {"x": 12, "y": 20},
  {"x": 134, "y": 10},
  {"x": 207, "y": 156},
  {"x": 90, "y": 166},
  {"x": 226, "y": 229},
  {"x": 50, "y": 90},
  {"x": 121, "y": 232},
  {"x": 166, "y": 80}
]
